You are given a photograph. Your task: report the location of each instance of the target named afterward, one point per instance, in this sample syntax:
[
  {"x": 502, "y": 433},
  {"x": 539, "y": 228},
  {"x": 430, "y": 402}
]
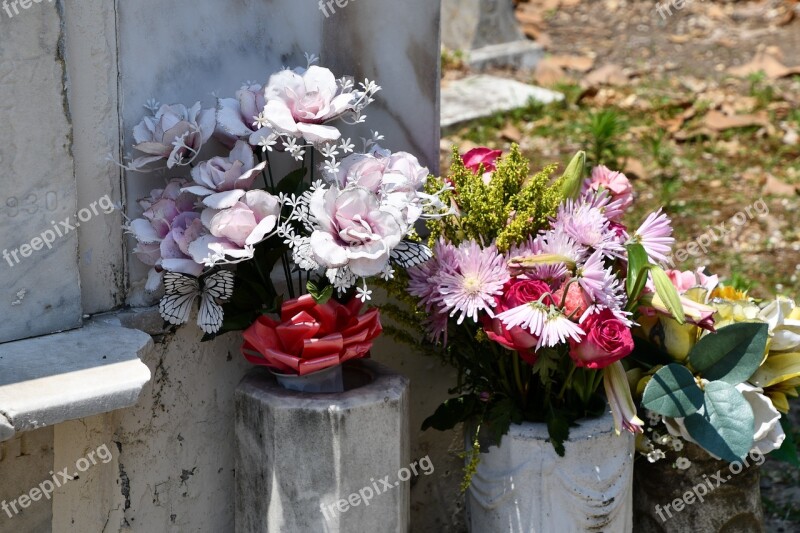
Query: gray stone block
[{"x": 298, "y": 455}]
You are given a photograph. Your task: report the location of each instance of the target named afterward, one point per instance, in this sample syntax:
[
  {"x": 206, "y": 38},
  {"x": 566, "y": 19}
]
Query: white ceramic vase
[{"x": 523, "y": 486}]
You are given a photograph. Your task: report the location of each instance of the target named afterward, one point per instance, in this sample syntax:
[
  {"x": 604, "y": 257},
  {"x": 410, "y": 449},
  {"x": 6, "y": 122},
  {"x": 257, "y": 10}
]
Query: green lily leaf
[
  {"x": 637, "y": 268},
  {"x": 725, "y": 425},
  {"x": 673, "y": 392},
  {"x": 732, "y": 354},
  {"x": 668, "y": 294}
]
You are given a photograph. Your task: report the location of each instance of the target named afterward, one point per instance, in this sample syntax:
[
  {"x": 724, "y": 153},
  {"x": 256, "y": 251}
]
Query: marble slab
[
  {"x": 39, "y": 280},
  {"x": 483, "y": 95}
]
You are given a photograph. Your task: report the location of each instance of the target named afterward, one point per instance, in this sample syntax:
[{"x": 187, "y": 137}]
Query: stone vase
[
  {"x": 312, "y": 462},
  {"x": 523, "y": 486},
  {"x": 731, "y": 501}
]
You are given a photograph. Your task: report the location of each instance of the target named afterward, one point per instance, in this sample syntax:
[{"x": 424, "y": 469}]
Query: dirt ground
[{"x": 701, "y": 107}]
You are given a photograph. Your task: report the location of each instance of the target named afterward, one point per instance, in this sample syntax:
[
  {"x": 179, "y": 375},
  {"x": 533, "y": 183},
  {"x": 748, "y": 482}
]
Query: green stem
[
  {"x": 518, "y": 378},
  {"x": 566, "y": 382}
]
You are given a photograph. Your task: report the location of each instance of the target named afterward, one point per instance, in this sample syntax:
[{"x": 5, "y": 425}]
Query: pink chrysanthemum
[
  {"x": 542, "y": 321},
  {"x": 424, "y": 278},
  {"x": 469, "y": 284},
  {"x": 588, "y": 226},
  {"x": 655, "y": 234}
]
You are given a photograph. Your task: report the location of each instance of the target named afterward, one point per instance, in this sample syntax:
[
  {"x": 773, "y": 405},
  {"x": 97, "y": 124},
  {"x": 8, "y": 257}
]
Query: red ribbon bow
[{"x": 310, "y": 336}]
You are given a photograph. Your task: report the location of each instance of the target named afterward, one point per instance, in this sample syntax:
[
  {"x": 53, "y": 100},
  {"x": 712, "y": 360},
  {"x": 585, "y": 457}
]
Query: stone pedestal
[
  {"x": 317, "y": 462},
  {"x": 731, "y": 495},
  {"x": 523, "y": 486},
  {"x": 487, "y": 32}
]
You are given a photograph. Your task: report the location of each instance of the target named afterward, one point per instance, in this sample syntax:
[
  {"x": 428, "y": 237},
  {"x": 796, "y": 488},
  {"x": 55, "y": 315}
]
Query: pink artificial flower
[
  {"x": 482, "y": 158},
  {"x": 655, "y": 234},
  {"x": 684, "y": 281},
  {"x": 618, "y": 393},
  {"x": 516, "y": 292},
  {"x": 174, "y": 133},
  {"x": 300, "y": 102},
  {"x": 238, "y": 171},
  {"x": 469, "y": 286},
  {"x": 248, "y": 221},
  {"x": 353, "y": 230},
  {"x": 616, "y": 183},
  {"x": 164, "y": 232},
  {"x": 236, "y": 116},
  {"x": 607, "y": 340}
]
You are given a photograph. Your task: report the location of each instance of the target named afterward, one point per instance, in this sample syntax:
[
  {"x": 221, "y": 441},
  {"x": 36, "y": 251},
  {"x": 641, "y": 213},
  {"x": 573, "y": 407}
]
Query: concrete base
[
  {"x": 520, "y": 55},
  {"x": 523, "y": 486},
  {"x": 315, "y": 462},
  {"x": 732, "y": 504}
]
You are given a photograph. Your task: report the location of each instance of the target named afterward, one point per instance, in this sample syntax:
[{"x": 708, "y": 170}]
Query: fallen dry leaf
[
  {"x": 766, "y": 62},
  {"x": 717, "y": 121},
  {"x": 777, "y": 187},
  {"x": 578, "y": 63},
  {"x": 635, "y": 169},
  {"x": 610, "y": 74},
  {"x": 511, "y": 133},
  {"x": 548, "y": 73},
  {"x": 680, "y": 39}
]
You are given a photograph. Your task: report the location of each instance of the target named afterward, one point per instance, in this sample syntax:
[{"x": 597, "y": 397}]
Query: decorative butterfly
[
  {"x": 182, "y": 290},
  {"x": 408, "y": 254}
]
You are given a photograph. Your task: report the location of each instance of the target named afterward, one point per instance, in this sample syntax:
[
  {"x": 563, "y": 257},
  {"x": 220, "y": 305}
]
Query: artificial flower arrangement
[
  {"x": 722, "y": 382},
  {"x": 223, "y": 235},
  {"x": 533, "y": 290}
]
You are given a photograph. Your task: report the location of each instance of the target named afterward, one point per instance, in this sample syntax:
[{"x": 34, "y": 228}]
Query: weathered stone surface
[
  {"x": 483, "y": 95},
  {"x": 39, "y": 284},
  {"x": 65, "y": 376},
  {"x": 523, "y": 485},
  {"x": 731, "y": 501},
  {"x": 26, "y": 461},
  {"x": 299, "y": 452},
  {"x": 487, "y": 32}
]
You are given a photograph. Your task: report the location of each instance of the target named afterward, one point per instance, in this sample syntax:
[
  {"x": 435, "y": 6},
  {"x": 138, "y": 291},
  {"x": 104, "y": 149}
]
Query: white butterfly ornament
[{"x": 182, "y": 290}]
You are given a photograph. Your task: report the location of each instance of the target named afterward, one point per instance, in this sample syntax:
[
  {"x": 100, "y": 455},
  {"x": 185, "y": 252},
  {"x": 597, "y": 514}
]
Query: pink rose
[
  {"x": 616, "y": 183},
  {"x": 482, "y": 157},
  {"x": 608, "y": 340},
  {"x": 174, "y": 133},
  {"x": 518, "y": 291}
]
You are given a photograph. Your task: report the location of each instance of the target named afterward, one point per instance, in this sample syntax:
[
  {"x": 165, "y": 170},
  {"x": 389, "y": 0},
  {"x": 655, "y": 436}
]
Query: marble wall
[{"x": 39, "y": 280}]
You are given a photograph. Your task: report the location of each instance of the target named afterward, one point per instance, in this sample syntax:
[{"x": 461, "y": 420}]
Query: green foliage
[
  {"x": 673, "y": 392},
  {"x": 717, "y": 416},
  {"x": 724, "y": 426},
  {"x": 510, "y": 208},
  {"x": 733, "y": 354},
  {"x": 603, "y": 130}
]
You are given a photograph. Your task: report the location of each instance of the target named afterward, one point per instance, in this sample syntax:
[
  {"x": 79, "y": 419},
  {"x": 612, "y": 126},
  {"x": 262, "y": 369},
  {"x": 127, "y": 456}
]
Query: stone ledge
[{"x": 65, "y": 376}]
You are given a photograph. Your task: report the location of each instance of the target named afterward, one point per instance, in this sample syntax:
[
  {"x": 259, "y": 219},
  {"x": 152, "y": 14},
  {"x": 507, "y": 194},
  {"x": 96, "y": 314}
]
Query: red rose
[
  {"x": 481, "y": 156},
  {"x": 518, "y": 291},
  {"x": 608, "y": 340},
  {"x": 311, "y": 337}
]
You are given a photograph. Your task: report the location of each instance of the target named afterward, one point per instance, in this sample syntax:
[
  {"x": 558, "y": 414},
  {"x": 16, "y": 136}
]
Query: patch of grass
[
  {"x": 603, "y": 131},
  {"x": 761, "y": 89}
]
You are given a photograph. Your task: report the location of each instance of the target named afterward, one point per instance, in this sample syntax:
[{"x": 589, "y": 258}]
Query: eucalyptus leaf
[
  {"x": 673, "y": 392},
  {"x": 725, "y": 424},
  {"x": 732, "y": 354}
]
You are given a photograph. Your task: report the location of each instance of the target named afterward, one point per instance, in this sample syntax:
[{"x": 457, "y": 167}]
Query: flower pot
[
  {"x": 669, "y": 499},
  {"x": 301, "y": 457},
  {"x": 325, "y": 381},
  {"x": 523, "y": 486}
]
